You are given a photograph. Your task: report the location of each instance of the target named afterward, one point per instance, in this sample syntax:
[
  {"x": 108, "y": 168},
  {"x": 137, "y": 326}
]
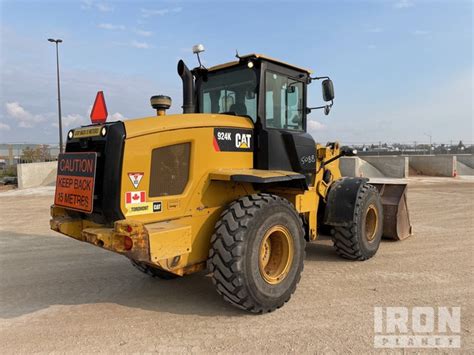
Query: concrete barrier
[
  {"x": 354, "y": 166},
  {"x": 389, "y": 166},
  {"x": 36, "y": 174},
  {"x": 463, "y": 169},
  {"x": 466, "y": 159},
  {"x": 432, "y": 165},
  {"x": 368, "y": 170},
  {"x": 349, "y": 166},
  {"x": 465, "y": 164},
  {"x": 374, "y": 167}
]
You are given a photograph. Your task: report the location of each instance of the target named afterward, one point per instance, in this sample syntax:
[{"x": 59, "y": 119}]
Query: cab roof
[{"x": 258, "y": 56}]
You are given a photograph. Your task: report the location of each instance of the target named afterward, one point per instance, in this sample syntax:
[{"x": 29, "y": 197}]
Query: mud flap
[{"x": 396, "y": 221}]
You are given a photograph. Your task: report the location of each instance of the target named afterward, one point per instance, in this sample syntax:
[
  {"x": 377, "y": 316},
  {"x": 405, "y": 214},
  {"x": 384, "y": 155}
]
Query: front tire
[
  {"x": 361, "y": 239},
  {"x": 257, "y": 252}
]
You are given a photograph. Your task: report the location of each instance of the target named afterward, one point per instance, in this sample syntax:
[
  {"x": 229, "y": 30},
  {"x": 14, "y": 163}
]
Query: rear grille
[{"x": 169, "y": 170}]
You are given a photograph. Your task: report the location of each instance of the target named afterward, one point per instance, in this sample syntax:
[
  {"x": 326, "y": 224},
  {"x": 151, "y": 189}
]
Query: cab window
[
  {"x": 232, "y": 91},
  {"x": 283, "y": 102}
]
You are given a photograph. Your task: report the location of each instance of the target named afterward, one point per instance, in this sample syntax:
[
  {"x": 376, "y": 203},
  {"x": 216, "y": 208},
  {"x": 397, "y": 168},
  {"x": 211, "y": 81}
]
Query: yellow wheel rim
[
  {"x": 371, "y": 223},
  {"x": 276, "y": 254}
]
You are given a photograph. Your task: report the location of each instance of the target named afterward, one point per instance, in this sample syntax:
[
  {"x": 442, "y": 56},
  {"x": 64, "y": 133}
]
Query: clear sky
[{"x": 402, "y": 69}]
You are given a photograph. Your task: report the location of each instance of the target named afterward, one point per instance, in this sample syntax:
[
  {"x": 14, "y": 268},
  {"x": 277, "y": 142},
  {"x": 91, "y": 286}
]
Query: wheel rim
[
  {"x": 371, "y": 223},
  {"x": 276, "y": 254}
]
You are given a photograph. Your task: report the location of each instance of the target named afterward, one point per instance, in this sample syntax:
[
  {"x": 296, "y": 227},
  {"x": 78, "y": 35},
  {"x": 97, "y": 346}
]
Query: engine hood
[{"x": 147, "y": 125}]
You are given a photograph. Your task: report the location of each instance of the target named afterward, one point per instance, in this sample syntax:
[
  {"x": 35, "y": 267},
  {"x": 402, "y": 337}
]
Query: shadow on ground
[{"x": 41, "y": 271}]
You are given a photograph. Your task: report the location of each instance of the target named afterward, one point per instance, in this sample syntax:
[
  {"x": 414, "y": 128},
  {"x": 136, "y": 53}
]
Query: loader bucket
[{"x": 396, "y": 220}]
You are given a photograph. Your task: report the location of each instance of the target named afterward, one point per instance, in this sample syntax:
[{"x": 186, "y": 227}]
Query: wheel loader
[{"x": 235, "y": 185}]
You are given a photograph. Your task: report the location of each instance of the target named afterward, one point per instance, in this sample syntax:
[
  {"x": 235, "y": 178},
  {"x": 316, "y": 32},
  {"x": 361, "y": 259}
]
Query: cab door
[{"x": 283, "y": 143}]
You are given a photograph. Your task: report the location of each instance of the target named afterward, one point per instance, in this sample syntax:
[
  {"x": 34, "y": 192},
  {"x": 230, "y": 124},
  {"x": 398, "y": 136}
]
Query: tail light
[{"x": 127, "y": 243}]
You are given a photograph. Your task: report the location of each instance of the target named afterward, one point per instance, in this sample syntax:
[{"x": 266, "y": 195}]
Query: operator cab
[
  {"x": 273, "y": 95},
  {"x": 235, "y": 88}
]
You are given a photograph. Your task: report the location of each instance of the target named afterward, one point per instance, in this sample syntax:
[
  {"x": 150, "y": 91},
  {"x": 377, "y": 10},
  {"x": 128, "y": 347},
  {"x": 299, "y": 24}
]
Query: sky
[{"x": 402, "y": 69}]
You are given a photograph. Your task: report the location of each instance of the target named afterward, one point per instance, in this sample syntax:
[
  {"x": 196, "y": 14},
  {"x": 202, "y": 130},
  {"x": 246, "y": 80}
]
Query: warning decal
[
  {"x": 87, "y": 132},
  {"x": 135, "y": 178},
  {"x": 75, "y": 181}
]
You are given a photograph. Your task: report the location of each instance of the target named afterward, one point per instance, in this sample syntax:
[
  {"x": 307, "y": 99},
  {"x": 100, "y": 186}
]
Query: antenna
[{"x": 198, "y": 48}]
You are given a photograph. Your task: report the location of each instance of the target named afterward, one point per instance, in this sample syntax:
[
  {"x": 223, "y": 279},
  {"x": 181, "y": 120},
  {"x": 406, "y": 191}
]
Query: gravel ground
[{"x": 60, "y": 295}]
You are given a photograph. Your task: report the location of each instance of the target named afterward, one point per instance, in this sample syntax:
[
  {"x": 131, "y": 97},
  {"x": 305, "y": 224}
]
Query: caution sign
[{"x": 75, "y": 181}]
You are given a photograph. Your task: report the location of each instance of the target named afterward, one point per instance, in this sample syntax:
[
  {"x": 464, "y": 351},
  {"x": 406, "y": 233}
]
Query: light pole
[
  {"x": 429, "y": 135},
  {"x": 57, "y": 41}
]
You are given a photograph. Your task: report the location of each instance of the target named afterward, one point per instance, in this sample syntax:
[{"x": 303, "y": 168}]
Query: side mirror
[
  {"x": 328, "y": 90},
  {"x": 328, "y": 94}
]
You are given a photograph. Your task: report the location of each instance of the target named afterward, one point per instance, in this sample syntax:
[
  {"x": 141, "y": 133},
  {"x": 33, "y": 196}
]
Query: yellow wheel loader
[{"x": 235, "y": 185}]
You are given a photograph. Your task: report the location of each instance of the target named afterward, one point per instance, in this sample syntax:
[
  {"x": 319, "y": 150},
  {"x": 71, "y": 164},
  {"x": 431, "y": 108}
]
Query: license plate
[{"x": 75, "y": 181}]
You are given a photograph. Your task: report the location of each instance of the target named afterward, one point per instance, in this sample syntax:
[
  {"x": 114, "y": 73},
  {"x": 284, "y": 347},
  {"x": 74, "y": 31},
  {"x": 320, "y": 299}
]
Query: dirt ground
[{"x": 60, "y": 295}]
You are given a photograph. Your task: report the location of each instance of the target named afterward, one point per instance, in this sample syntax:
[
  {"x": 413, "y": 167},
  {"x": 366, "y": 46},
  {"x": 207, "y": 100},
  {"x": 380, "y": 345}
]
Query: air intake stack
[{"x": 160, "y": 103}]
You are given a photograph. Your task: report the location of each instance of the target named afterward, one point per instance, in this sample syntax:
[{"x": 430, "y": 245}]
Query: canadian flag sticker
[
  {"x": 135, "y": 178},
  {"x": 135, "y": 197}
]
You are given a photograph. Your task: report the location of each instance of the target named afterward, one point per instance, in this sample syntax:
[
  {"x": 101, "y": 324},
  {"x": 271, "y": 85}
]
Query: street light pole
[
  {"x": 429, "y": 135},
  {"x": 57, "y": 41}
]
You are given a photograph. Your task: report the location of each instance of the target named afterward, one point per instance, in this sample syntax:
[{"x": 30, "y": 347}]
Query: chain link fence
[{"x": 20, "y": 153}]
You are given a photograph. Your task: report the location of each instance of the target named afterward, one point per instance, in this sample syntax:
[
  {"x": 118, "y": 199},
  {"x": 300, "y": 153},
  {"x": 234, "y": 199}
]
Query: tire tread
[
  {"x": 226, "y": 255},
  {"x": 346, "y": 239}
]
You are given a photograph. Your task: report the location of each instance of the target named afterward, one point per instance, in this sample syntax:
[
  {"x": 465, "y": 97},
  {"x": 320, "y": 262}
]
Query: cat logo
[
  {"x": 233, "y": 140},
  {"x": 242, "y": 140}
]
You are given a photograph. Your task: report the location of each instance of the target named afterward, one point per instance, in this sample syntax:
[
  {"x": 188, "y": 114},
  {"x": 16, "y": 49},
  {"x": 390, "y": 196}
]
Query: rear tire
[
  {"x": 257, "y": 252},
  {"x": 153, "y": 271},
  {"x": 361, "y": 239}
]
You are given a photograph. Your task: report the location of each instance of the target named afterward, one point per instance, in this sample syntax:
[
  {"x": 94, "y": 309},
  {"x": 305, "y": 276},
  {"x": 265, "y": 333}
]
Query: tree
[
  {"x": 40, "y": 153},
  {"x": 28, "y": 155}
]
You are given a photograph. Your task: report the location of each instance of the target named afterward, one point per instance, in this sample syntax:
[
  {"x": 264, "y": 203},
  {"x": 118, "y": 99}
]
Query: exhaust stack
[{"x": 188, "y": 88}]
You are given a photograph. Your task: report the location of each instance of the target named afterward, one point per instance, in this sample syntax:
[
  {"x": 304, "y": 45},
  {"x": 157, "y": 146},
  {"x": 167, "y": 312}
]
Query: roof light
[
  {"x": 103, "y": 131},
  {"x": 250, "y": 64},
  {"x": 99, "y": 110},
  {"x": 70, "y": 134}
]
